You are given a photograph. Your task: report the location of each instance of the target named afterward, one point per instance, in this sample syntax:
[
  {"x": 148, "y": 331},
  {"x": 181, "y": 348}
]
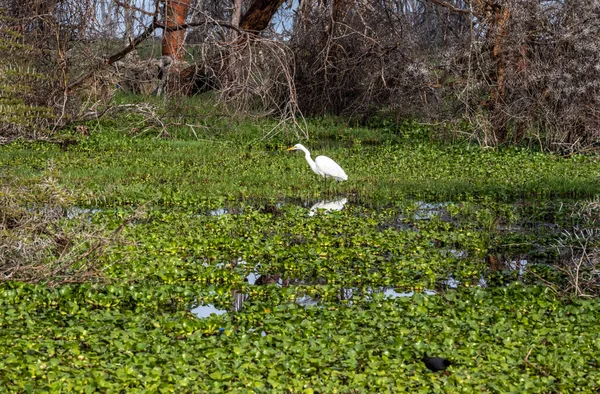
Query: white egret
[{"x": 322, "y": 165}]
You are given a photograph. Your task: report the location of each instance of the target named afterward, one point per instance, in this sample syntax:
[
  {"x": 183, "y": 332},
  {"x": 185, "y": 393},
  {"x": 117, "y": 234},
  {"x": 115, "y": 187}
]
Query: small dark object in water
[{"x": 436, "y": 364}]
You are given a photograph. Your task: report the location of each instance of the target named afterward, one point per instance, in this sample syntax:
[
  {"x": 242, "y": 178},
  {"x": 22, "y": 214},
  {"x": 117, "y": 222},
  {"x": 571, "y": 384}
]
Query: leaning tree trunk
[
  {"x": 259, "y": 14},
  {"x": 176, "y": 12}
]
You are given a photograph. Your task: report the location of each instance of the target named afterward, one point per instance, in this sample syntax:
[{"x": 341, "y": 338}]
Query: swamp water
[{"x": 406, "y": 221}]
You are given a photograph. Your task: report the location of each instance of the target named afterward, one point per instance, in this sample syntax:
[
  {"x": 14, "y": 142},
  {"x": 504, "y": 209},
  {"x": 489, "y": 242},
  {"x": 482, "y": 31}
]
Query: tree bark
[
  {"x": 236, "y": 17},
  {"x": 129, "y": 21},
  {"x": 176, "y": 12},
  {"x": 497, "y": 17},
  {"x": 106, "y": 10},
  {"x": 340, "y": 9},
  {"x": 259, "y": 14}
]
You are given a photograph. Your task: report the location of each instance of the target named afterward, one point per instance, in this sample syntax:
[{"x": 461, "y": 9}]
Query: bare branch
[
  {"x": 451, "y": 7},
  {"x": 132, "y": 7},
  {"x": 115, "y": 57}
]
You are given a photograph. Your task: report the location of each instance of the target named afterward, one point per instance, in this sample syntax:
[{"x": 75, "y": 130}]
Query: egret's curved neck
[{"x": 310, "y": 161}]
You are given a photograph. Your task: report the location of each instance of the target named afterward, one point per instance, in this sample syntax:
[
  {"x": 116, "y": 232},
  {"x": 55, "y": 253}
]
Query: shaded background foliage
[
  {"x": 381, "y": 56},
  {"x": 514, "y": 71},
  {"x": 545, "y": 67}
]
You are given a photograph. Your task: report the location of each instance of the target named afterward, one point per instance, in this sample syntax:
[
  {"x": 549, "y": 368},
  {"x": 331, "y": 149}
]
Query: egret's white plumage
[{"x": 323, "y": 165}]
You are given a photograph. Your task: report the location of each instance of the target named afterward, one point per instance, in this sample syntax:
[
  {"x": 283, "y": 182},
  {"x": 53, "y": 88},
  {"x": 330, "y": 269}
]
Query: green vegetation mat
[{"x": 444, "y": 250}]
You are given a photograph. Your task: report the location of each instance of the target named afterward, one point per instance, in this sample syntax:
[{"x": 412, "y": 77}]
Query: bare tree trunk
[
  {"x": 497, "y": 17},
  {"x": 237, "y": 13},
  {"x": 129, "y": 15},
  {"x": 106, "y": 11},
  {"x": 259, "y": 14},
  {"x": 235, "y": 61},
  {"x": 176, "y": 12}
]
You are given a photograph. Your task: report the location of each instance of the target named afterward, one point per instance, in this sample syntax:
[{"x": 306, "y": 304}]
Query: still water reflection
[
  {"x": 333, "y": 205},
  {"x": 203, "y": 311},
  {"x": 347, "y": 294}
]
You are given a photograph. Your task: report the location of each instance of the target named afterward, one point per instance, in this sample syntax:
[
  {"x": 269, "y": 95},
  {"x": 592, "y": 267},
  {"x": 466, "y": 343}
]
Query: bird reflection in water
[{"x": 334, "y": 205}]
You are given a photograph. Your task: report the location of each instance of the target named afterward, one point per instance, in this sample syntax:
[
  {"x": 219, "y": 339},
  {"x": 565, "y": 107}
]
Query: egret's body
[{"x": 322, "y": 165}]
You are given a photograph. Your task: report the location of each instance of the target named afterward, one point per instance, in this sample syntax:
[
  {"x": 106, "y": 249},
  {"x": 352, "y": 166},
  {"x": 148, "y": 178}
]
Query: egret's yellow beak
[{"x": 292, "y": 148}]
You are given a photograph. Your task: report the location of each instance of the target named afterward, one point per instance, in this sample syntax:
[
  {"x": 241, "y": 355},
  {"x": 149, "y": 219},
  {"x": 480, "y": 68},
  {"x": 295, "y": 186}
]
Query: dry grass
[
  {"x": 579, "y": 249},
  {"x": 43, "y": 240}
]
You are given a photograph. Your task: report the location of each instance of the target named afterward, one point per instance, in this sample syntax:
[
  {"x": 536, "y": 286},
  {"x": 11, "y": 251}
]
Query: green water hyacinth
[{"x": 444, "y": 250}]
